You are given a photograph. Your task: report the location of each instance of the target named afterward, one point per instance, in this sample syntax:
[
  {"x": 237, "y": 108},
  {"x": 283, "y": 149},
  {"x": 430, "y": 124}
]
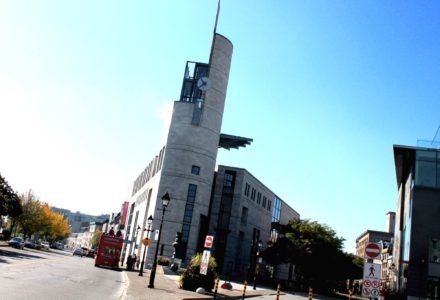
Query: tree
[
  {"x": 55, "y": 226},
  {"x": 95, "y": 238},
  {"x": 32, "y": 218},
  {"x": 316, "y": 252},
  {"x": 9, "y": 202}
]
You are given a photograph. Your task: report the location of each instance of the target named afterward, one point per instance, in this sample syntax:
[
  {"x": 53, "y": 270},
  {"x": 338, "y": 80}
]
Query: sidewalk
[{"x": 166, "y": 288}]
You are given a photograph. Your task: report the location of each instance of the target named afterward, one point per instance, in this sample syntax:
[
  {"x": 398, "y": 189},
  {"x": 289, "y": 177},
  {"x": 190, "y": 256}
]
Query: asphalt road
[{"x": 35, "y": 274}]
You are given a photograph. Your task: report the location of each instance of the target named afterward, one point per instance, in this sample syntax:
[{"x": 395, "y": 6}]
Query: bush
[
  {"x": 191, "y": 279},
  {"x": 163, "y": 261}
]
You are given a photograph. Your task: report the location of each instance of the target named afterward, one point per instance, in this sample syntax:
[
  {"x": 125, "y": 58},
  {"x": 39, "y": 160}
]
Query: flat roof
[{"x": 228, "y": 141}]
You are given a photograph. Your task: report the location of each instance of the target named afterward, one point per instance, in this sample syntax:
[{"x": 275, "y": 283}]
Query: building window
[
  {"x": 258, "y": 197},
  {"x": 189, "y": 207},
  {"x": 246, "y": 189},
  {"x": 269, "y": 205},
  {"x": 228, "y": 180},
  {"x": 264, "y": 202},
  {"x": 253, "y": 194},
  {"x": 195, "y": 170},
  {"x": 276, "y": 213},
  {"x": 244, "y": 215}
]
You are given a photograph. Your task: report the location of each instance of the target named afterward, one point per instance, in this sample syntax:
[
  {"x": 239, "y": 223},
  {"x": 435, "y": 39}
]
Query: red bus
[{"x": 109, "y": 250}]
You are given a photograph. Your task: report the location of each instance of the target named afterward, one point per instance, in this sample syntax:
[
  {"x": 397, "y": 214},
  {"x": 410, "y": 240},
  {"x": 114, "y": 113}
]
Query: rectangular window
[
  {"x": 269, "y": 204},
  {"x": 253, "y": 194},
  {"x": 228, "y": 180},
  {"x": 276, "y": 213},
  {"x": 264, "y": 202},
  {"x": 244, "y": 215},
  {"x": 195, "y": 170},
  {"x": 189, "y": 207},
  {"x": 258, "y": 197},
  {"x": 246, "y": 189}
]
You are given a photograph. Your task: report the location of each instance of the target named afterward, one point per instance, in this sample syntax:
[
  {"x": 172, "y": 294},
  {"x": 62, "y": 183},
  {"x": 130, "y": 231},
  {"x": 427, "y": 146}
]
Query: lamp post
[
  {"x": 149, "y": 221},
  {"x": 257, "y": 261},
  {"x": 135, "y": 238},
  {"x": 165, "y": 200}
]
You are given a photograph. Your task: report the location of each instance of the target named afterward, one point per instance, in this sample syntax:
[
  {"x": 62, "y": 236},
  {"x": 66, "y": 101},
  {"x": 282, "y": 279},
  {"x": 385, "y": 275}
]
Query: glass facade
[{"x": 427, "y": 171}]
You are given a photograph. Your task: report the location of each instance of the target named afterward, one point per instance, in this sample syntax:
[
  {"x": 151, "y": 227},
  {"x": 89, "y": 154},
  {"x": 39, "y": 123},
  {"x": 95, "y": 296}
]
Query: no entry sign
[
  {"x": 208, "y": 241},
  {"x": 372, "y": 250}
]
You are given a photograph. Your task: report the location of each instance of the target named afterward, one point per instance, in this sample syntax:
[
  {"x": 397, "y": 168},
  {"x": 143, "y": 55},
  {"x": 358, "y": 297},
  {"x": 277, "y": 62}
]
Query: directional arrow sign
[{"x": 372, "y": 250}]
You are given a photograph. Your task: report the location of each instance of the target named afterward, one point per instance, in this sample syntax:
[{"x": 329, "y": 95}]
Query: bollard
[
  {"x": 215, "y": 289},
  {"x": 310, "y": 293},
  {"x": 278, "y": 292},
  {"x": 244, "y": 290}
]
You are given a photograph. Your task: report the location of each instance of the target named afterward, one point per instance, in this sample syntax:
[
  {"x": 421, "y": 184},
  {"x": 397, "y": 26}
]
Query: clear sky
[{"x": 325, "y": 88}]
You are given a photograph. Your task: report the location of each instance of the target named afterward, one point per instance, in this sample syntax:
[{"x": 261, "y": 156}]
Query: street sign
[
  {"x": 209, "y": 240},
  {"x": 146, "y": 241},
  {"x": 371, "y": 280},
  {"x": 372, "y": 251},
  {"x": 205, "y": 262}
]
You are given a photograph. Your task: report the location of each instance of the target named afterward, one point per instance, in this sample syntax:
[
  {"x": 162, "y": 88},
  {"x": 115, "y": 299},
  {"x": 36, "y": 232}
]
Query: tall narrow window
[
  {"x": 189, "y": 207},
  {"x": 244, "y": 215}
]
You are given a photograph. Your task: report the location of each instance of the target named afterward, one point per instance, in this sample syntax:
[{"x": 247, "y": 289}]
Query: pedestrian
[{"x": 129, "y": 263}]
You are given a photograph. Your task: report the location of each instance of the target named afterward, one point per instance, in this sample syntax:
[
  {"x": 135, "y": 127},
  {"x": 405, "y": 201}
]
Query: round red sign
[
  {"x": 372, "y": 250},
  {"x": 208, "y": 241}
]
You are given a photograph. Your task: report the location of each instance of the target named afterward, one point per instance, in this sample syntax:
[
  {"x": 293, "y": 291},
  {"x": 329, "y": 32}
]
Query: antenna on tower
[{"x": 216, "y": 17}]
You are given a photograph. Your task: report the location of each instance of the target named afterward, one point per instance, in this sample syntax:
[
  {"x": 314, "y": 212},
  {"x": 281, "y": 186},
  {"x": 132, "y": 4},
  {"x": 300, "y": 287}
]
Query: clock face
[{"x": 204, "y": 83}]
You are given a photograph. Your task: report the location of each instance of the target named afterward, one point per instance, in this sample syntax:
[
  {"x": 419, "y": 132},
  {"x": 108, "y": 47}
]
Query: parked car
[
  {"x": 45, "y": 246},
  {"x": 57, "y": 245},
  {"x": 91, "y": 253},
  {"x": 32, "y": 244},
  {"x": 78, "y": 251},
  {"x": 17, "y": 242}
]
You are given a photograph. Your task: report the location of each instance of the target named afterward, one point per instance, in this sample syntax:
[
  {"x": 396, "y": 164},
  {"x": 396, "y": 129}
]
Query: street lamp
[
  {"x": 149, "y": 221},
  {"x": 165, "y": 200}
]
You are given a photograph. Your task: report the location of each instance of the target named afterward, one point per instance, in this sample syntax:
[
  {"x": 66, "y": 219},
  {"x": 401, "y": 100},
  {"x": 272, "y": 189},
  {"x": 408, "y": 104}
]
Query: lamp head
[
  {"x": 165, "y": 200},
  {"x": 150, "y": 220}
]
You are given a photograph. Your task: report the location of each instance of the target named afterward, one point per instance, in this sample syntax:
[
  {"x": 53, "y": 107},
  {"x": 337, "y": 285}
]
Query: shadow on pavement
[{"x": 23, "y": 254}]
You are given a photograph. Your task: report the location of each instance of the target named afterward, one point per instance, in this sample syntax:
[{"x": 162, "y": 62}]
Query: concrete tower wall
[{"x": 197, "y": 145}]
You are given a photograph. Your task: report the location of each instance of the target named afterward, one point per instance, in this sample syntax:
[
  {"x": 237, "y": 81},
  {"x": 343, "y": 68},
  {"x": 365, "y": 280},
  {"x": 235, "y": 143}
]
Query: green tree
[
  {"x": 32, "y": 218},
  {"x": 95, "y": 238},
  {"x": 10, "y": 204},
  {"x": 316, "y": 252}
]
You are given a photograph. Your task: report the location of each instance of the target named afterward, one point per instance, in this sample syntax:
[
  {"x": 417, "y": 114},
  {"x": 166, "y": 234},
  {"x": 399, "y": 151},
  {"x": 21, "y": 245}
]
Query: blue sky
[{"x": 325, "y": 88}]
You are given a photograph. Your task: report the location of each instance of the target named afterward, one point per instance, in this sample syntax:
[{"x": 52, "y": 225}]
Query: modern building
[
  {"x": 243, "y": 215},
  {"x": 416, "y": 253},
  {"x": 229, "y": 203}
]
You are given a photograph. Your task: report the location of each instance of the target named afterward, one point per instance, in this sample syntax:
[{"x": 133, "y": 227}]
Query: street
[{"x": 35, "y": 274}]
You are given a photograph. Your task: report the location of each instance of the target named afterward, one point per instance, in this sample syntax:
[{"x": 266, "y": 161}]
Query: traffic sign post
[
  {"x": 371, "y": 280},
  {"x": 373, "y": 251},
  {"x": 205, "y": 262}
]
